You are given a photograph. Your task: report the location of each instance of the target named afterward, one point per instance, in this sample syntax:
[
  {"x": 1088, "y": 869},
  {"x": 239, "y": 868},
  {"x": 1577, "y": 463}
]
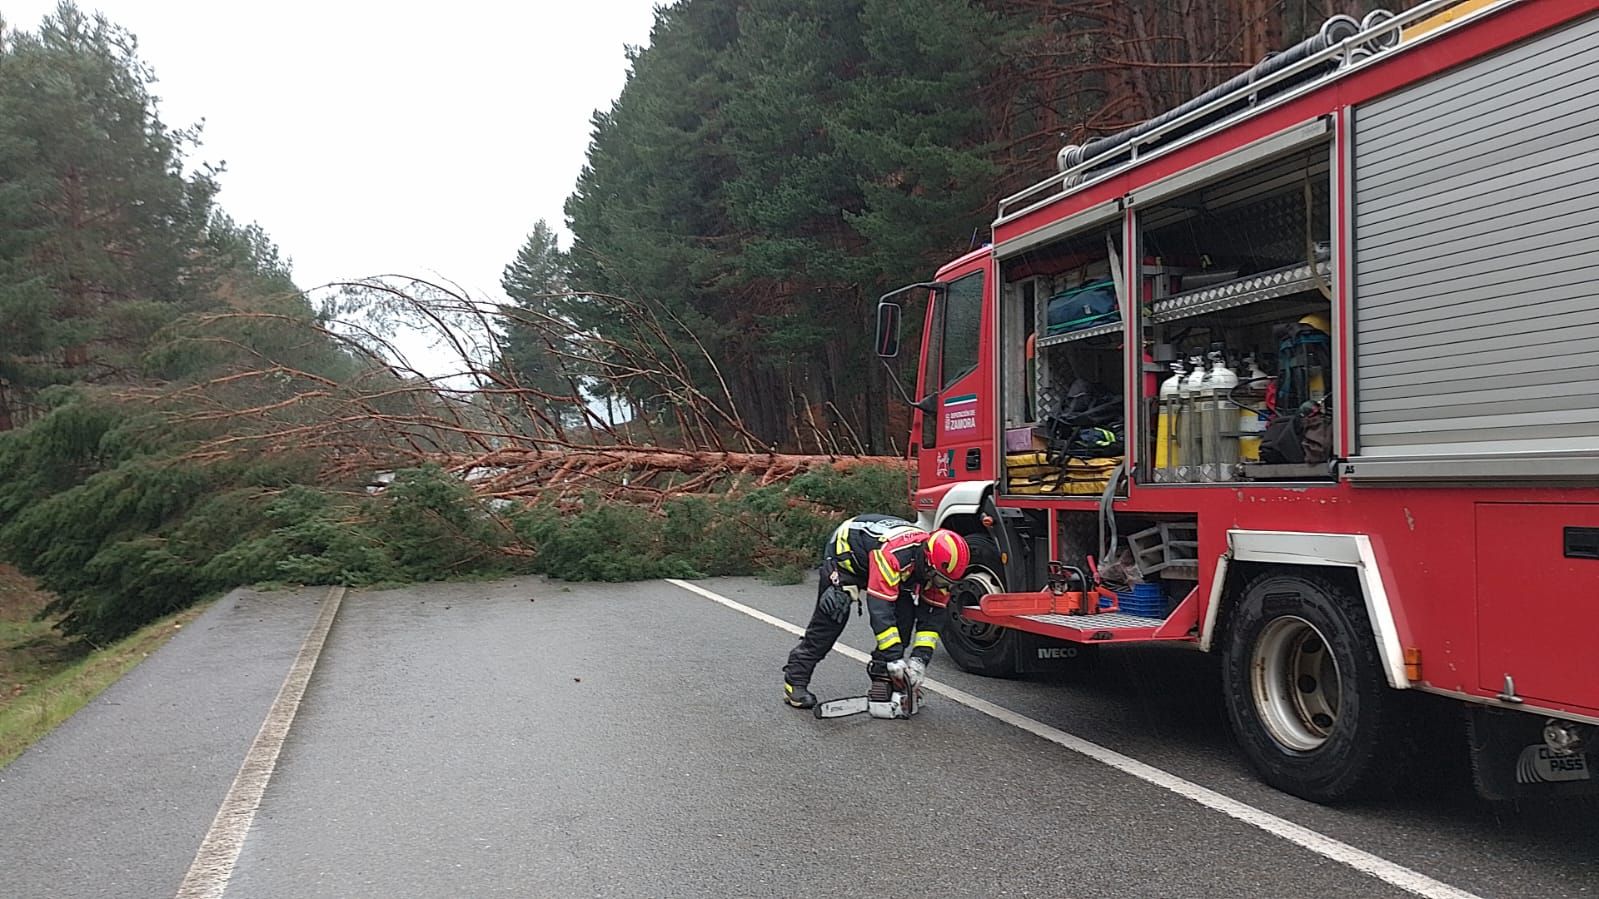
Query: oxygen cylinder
[
  {"x": 1255, "y": 374},
  {"x": 1204, "y": 405},
  {"x": 1167, "y": 451},
  {"x": 1251, "y": 417},
  {"x": 1221, "y": 448},
  {"x": 1189, "y": 429}
]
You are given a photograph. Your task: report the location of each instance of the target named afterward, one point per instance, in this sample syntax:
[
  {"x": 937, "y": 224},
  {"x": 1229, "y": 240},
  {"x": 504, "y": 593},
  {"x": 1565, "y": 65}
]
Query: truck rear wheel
[
  {"x": 977, "y": 647},
  {"x": 1305, "y": 690}
]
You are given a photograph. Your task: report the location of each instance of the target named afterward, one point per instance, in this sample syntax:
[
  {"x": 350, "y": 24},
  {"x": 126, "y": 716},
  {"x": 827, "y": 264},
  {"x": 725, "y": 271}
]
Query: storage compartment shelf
[
  {"x": 1084, "y": 334},
  {"x": 1270, "y": 285},
  {"x": 1261, "y": 471}
]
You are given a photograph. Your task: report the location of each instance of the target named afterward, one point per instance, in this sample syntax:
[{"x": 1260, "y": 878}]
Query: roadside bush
[
  {"x": 604, "y": 542},
  {"x": 122, "y": 531},
  {"x": 433, "y": 527},
  {"x": 77, "y": 439},
  {"x": 775, "y": 531},
  {"x": 57, "y": 538},
  {"x": 863, "y": 488},
  {"x": 427, "y": 526},
  {"x": 127, "y": 585},
  {"x": 305, "y": 537},
  {"x": 718, "y": 537}
]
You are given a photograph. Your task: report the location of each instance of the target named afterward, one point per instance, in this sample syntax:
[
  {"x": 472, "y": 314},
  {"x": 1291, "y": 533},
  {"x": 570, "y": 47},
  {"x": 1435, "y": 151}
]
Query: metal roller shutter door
[{"x": 1476, "y": 241}]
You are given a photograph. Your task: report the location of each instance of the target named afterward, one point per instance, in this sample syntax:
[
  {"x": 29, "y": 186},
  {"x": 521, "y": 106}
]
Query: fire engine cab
[{"x": 1301, "y": 372}]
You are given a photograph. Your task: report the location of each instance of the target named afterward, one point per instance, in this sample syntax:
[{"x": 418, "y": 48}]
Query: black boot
[{"x": 799, "y": 697}]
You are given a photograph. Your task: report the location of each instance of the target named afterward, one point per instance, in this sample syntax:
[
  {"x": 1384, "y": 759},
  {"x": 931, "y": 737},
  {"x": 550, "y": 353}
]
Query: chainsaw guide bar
[{"x": 841, "y": 708}]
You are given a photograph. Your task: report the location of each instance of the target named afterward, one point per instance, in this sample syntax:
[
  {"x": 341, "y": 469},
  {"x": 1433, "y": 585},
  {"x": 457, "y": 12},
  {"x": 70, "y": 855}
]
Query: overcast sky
[{"x": 378, "y": 137}]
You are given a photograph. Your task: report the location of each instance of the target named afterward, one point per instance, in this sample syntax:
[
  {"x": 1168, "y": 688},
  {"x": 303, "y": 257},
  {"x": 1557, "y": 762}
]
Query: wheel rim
[
  {"x": 970, "y": 590},
  {"x": 1296, "y": 684}
]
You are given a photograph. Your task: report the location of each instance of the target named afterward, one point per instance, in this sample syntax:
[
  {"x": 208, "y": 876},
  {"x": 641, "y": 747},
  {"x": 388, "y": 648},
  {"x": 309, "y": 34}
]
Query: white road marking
[
  {"x": 1321, "y": 844},
  {"x": 213, "y": 865}
]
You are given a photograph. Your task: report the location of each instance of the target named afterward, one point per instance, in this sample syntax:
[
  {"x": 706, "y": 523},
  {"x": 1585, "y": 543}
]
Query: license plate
[{"x": 1538, "y": 765}]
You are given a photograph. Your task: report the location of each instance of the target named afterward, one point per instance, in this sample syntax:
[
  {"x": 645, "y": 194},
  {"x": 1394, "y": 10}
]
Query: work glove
[
  {"x": 915, "y": 672},
  {"x": 835, "y": 603}
]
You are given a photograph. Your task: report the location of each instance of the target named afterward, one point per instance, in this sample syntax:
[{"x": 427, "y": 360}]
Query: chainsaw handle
[{"x": 1058, "y": 580}]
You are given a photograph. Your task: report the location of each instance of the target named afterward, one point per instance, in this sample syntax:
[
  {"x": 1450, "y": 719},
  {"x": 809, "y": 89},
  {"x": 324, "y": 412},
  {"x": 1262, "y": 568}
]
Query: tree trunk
[{"x": 7, "y": 419}]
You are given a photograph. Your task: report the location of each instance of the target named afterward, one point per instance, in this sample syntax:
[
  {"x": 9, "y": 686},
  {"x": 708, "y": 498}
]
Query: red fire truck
[{"x": 1301, "y": 373}]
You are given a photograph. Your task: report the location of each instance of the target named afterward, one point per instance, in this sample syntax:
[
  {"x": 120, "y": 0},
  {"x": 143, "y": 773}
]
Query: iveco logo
[{"x": 1057, "y": 652}]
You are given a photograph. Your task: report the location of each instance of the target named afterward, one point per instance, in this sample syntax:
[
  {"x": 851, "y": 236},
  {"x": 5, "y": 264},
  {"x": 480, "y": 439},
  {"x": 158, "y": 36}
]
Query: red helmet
[{"x": 948, "y": 554}]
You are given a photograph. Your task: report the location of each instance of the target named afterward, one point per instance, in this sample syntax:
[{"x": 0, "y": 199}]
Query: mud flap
[
  {"x": 1510, "y": 761},
  {"x": 1037, "y": 654}
]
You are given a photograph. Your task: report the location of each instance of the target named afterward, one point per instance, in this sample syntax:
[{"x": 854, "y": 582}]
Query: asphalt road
[{"x": 534, "y": 739}]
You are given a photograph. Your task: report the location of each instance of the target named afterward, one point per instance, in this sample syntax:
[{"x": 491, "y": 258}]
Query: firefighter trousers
[
  {"x": 895, "y": 621},
  {"x": 904, "y": 620}
]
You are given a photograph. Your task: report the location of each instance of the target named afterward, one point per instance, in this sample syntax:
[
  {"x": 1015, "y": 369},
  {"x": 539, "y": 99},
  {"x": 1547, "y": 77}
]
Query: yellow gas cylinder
[
  {"x": 1251, "y": 421},
  {"x": 1166, "y": 449}
]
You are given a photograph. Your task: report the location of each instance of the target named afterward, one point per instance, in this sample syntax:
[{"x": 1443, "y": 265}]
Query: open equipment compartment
[
  {"x": 1243, "y": 340},
  {"x": 1062, "y": 313}
]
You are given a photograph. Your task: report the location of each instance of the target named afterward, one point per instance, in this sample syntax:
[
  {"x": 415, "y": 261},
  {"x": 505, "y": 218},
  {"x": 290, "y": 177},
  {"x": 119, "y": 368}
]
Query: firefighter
[{"x": 906, "y": 573}]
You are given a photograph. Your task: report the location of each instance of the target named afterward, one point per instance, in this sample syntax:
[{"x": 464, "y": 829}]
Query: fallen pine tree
[{"x": 131, "y": 503}]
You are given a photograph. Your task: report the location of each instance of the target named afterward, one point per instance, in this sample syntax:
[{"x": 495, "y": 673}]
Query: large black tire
[
  {"x": 980, "y": 648},
  {"x": 1305, "y": 690}
]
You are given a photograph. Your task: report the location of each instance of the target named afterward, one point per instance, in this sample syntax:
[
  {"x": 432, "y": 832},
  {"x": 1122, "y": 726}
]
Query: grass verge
[{"x": 44, "y": 678}]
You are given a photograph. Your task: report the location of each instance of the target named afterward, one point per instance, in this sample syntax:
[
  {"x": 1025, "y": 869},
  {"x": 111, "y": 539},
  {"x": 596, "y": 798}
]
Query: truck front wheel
[
  {"x": 977, "y": 647},
  {"x": 993, "y": 651},
  {"x": 1305, "y": 689}
]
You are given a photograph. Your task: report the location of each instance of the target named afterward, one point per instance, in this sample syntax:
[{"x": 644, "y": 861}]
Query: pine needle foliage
[{"x": 774, "y": 531}]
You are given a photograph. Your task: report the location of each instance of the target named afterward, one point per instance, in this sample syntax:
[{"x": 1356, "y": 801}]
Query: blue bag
[{"x": 1083, "y": 307}]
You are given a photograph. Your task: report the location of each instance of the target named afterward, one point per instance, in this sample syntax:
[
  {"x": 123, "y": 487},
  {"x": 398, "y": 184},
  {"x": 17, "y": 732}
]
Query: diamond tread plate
[
  {"x": 1242, "y": 292},
  {"x": 1102, "y": 620}
]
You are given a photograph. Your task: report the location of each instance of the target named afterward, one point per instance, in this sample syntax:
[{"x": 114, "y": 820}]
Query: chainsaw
[{"x": 905, "y": 700}]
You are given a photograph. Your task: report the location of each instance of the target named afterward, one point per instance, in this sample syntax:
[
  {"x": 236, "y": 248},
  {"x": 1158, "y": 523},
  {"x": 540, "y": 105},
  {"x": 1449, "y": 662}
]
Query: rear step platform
[{"x": 1101, "y": 627}]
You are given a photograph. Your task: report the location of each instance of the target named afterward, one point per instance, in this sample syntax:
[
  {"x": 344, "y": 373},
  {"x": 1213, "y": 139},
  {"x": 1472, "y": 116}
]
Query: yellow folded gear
[
  {"x": 1085, "y": 488},
  {"x": 1031, "y": 472},
  {"x": 1026, "y": 459},
  {"x": 1038, "y": 461}
]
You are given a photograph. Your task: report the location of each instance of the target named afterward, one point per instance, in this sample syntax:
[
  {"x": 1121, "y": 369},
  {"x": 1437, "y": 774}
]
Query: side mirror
[
  {"x": 888, "y": 329},
  {"x": 888, "y": 313}
]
